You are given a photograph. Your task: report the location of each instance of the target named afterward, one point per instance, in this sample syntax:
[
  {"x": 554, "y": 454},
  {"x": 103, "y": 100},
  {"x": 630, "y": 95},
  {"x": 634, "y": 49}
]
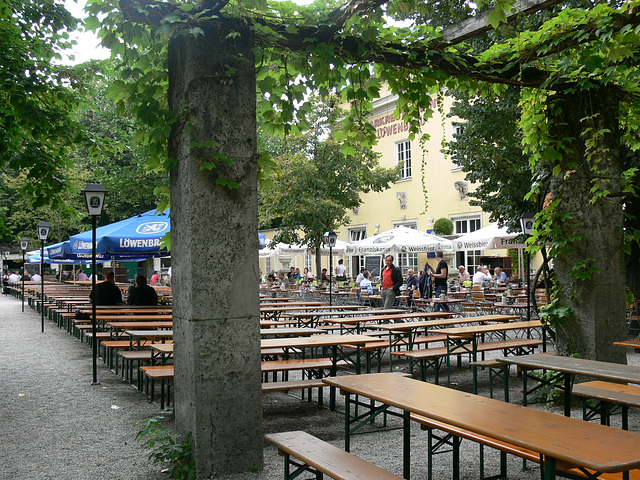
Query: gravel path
[{"x": 56, "y": 425}]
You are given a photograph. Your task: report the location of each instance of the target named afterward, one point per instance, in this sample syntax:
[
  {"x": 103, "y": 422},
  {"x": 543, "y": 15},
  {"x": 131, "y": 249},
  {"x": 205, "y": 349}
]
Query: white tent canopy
[
  {"x": 292, "y": 250},
  {"x": 490, "y": 237},
  {"x": 400, "y": 240}
]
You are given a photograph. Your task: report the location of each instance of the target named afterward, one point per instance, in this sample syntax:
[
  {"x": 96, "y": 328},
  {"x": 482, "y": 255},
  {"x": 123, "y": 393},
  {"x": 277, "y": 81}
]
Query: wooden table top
[
  {"x": 580, "y": 443},
  {"x": 140, "y": 325},
  {"x": 290, "y": 331},
  {"x": 163, "y": 348},
  {"x": 327, "y": 340},
  {"x": 396, "y": 316},
  {"x": 471, "y": 330},
  {"x": 350, "y": 313},
  {"x": 134, "y": 318},
  {"x": 577, "y": 366},
  {"x": 446, "y": 321},
  {"x": 150, "y": 334},
  {"x": 289, "y": 308}
]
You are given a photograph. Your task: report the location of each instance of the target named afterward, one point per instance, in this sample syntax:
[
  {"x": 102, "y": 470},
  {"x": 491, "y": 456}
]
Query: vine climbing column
[
  {"x": 214, "y": 215},
  {"x": 587, "y": 222}
]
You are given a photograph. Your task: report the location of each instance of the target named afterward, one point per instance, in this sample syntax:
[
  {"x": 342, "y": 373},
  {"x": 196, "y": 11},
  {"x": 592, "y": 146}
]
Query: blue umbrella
[
  {"x": 135, "y": 237},
  {"x": 61, "y": 252}
]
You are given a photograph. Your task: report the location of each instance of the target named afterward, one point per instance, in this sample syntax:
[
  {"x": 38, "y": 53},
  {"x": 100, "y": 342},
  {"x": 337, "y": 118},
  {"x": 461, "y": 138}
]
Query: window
[
  {"x": 357, "y": 261},
  {"x": 403, "y": 155},
  {"x": 308, "y": 262},
  {"x": 407, "y": 261},
  {"x": 462, "y": 225},
  {"x": 267, "y": 265},
  {"x": 357, "y": 233}
]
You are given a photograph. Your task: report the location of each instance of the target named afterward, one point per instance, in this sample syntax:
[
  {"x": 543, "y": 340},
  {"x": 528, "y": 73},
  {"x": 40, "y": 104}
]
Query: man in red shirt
[{"x": 391, "y": 282}]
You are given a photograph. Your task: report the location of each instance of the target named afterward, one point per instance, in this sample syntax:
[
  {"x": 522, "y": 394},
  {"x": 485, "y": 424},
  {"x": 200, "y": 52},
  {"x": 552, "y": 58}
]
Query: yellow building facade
[{"x": 431, "y": 187}]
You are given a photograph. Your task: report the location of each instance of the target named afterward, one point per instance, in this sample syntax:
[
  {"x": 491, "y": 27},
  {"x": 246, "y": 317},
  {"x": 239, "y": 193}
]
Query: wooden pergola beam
[{"x": 479, "y": 24}]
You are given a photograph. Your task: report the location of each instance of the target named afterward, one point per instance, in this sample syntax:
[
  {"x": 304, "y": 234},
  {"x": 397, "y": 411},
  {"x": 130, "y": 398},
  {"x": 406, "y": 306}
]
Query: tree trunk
[
  {"x": 598, "y": 301},
  {"x": 215, "y": 248}
]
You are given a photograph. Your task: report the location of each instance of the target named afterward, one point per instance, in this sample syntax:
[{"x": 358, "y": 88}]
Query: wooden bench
[
  {"x": 432, "y": 357},
  {"x": 319, "y": 457},
  {"x": 129, "y": 357},
  {"x": 605, "y": 394},
  {"x": 151, "y": 374},
  {"x": 377, "y": 347},
  {"x": 454, "y": 435},
  {"x": 308, "y": 365}
]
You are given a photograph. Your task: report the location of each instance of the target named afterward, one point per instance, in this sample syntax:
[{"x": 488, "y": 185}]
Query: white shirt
[
  {"x": 36, "y": 278},
  {"x": 14, "y": 278},
  {"x": 340, "y": 270},
  {"x": 359, "y": 278},
  {"x": 480, "y": 277}
]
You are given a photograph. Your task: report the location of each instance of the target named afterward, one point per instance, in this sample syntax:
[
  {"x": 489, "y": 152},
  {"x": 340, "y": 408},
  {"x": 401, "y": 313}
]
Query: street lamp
[
  {"x": 330, "y": 240},
  {"x": 24, "y": 243},
  {"x": 43, "y": 233},
  {"x": 526, "y": 222},
  {"x": 94, "y": 194},
  {"x": 5, "y": 257}
]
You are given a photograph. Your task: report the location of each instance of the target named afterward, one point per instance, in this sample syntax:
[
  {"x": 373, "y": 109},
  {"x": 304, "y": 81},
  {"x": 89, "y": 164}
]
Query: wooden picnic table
[
  {"x": 313, "y": 318},
  {"x": 272, "y": 313},
  {"x": 136, "y": 336},
  {"x": 566, "y": 368},
  {"x": 350, "y": 323},
  {"x": 332, "y": 341},
  {"x": 408, "y": 330},
  {"x": 556, "y": 438},
  {"x": 290, "y": 331},
  {"x": 117, "y": 327},
  {"x": 466, "y": 338}
]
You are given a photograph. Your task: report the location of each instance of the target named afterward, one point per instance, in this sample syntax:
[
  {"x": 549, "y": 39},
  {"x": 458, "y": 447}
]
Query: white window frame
[
  {"x": 360, "y": 229},
  {"x": 470, "y": 259},
  {"x": 402, "y": 151}
]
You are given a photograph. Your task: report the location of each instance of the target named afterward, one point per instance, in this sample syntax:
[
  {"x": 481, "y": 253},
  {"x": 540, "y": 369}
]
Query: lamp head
[
  {"x": 43, "y": 230},
  {"x": 527, "y": 220},
  {"x": 24, "y": 243},
  {"x": 94, "y": 194},
  {"x": 330, "y": 239}
]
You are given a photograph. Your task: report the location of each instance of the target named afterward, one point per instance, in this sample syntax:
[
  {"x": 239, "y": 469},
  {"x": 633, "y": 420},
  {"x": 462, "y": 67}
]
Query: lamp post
[
  {"x": 94, "y": 194},
  {"x": 5, "y": 257},
  {"x": 526, "y": 221},
  {"x": 330, "y": 240},
  {"x": 24, "y": 243},
  {"x": 43, "y": 233}
]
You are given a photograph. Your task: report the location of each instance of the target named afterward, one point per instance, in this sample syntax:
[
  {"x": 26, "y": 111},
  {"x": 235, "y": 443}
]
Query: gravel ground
[{"x": 57, "y": 425}]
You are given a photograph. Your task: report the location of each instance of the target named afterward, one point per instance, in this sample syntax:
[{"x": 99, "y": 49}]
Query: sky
[{"x": 88, "y": 45}]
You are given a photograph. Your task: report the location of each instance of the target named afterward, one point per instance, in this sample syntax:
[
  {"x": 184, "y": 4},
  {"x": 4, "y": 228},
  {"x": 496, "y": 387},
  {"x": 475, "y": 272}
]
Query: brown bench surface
[
  {"x": 609, "y": 392},
  {"x": 326, "y": 458}
]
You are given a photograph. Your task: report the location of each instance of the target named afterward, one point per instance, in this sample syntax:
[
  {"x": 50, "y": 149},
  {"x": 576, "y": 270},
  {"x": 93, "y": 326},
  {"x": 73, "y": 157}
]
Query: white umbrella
[
  {"x": 340, "y": 248},
  {"x": 290, "y": 249},
  {"x": 400, "y": 240},
  {"x": 491, "y": 237}
]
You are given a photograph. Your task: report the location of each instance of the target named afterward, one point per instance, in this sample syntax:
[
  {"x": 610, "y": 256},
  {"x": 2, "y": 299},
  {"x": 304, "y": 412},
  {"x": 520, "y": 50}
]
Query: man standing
[
  {"x": 440, "y": 281},
  {"x": 107, "y": 293},
  {"x": 391, "y": 282},
  {"x": 340, "y": 271}
]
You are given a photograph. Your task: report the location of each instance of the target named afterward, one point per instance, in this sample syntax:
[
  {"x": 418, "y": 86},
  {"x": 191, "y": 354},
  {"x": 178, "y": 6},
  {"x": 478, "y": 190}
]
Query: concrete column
[{"x": 215, "y": 248}]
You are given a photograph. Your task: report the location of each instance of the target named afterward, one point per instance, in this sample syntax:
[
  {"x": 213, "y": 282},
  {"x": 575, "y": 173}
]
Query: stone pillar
[{"x": 215, "y": 248}]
